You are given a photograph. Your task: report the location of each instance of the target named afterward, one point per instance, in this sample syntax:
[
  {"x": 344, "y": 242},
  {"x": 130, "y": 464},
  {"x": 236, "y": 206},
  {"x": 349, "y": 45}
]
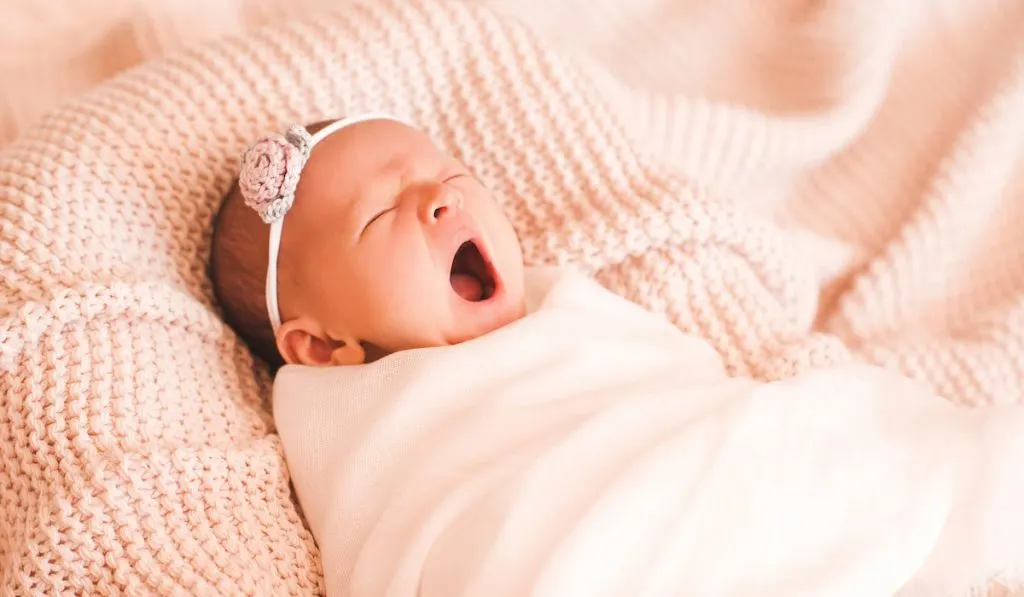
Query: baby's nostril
[{"x": 439, "y": 212}]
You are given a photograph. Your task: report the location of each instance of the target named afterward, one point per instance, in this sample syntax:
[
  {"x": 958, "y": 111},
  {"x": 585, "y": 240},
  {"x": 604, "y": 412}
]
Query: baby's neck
[{"x": 373, "y": 352}]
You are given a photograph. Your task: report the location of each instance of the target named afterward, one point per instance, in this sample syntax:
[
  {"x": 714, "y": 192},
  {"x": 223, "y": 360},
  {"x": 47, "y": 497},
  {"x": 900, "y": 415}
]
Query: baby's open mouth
[{"x": 472, "y": 277}]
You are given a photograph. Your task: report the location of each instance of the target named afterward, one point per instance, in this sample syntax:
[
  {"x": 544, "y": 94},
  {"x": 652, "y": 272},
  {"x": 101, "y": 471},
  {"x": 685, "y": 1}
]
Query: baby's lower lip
[
  {"x": 488, "y": 294},
  {"x": 494, "y": 296}
]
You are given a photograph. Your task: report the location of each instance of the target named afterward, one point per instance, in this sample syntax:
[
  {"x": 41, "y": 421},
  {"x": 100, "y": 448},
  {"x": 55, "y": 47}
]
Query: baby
[
  {"x": 390, "y": 244},
  {"x": 531, "y": 433}
]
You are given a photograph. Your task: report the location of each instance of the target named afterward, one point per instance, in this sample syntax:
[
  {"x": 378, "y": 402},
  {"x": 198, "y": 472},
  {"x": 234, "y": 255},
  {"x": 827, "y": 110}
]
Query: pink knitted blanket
[{"x": 799, "y": 183}]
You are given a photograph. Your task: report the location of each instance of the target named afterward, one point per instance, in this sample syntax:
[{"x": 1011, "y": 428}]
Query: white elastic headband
[{"x": 268, "y": 178}]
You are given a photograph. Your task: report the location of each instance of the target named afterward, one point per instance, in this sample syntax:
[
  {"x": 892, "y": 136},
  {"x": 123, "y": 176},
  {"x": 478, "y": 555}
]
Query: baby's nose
[{"x": 440, "y": 202}]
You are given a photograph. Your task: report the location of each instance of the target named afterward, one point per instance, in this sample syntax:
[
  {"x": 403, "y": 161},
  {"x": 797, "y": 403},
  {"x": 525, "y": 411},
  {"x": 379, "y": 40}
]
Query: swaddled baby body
[{"x": 458, "y": 425}]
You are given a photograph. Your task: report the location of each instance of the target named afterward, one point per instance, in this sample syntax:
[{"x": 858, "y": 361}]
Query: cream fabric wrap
[{"x": 592, "y": 450}]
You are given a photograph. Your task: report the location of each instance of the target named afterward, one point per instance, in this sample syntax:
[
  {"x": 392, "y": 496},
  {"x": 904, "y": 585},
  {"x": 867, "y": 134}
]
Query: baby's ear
[
  {"x": 349, "y": 353},
  {"x": 302, "y": 342}
]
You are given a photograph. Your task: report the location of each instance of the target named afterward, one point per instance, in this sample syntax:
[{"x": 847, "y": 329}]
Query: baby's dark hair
[{"x": 238, "y": 268}]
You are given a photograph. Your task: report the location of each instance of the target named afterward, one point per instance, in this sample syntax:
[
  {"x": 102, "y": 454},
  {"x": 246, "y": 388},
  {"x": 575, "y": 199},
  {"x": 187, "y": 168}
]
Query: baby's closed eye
[{"x": 378, "y": 215}]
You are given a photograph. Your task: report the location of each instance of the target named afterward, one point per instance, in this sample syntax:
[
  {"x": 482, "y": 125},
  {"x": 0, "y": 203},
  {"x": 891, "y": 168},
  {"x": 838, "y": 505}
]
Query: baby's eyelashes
[
  {"x": 447, "y": 179},
  {"x": 375, "y": 217}
]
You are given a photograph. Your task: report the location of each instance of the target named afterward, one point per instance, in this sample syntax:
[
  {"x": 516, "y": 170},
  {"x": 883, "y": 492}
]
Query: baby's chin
[{"x": 470, "y": 328}]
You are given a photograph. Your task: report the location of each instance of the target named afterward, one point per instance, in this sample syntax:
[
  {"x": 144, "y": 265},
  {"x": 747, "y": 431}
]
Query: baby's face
[{"x": 391, "y": 245}]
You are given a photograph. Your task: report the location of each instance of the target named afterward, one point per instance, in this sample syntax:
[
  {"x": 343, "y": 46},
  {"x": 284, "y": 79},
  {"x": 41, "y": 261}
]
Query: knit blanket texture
[{"x": 798, "y": 183}]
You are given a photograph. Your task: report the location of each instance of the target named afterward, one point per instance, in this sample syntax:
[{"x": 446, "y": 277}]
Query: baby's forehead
[
  {"x": 375, "y": 138},
  {"x": 373, "y": 149},
  {"x": 367, "y": 147},
  {"x": 345, "y": 165}
]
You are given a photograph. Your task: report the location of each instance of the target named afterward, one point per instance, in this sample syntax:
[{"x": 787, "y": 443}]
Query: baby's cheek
[{"x": 407, "y": 288}]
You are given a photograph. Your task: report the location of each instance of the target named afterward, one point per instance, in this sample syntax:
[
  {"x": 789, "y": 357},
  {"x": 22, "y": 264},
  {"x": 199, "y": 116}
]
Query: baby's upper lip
[{"x": 462, "y": 230}]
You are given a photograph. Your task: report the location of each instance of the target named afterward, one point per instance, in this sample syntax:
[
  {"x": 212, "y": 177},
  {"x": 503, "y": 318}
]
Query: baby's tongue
[{"x": 467, "y": 287}]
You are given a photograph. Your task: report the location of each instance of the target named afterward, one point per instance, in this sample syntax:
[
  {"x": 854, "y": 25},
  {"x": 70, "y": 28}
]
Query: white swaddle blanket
[{"x": 592, "y": 449}]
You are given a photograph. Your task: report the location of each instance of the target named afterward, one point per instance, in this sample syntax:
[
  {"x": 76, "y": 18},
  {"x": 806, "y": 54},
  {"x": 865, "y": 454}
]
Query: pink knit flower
[{"x": 270, "y": 172}]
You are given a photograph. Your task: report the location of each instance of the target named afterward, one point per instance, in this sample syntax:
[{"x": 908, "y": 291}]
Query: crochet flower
[{"x": 270, "y": 172}]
